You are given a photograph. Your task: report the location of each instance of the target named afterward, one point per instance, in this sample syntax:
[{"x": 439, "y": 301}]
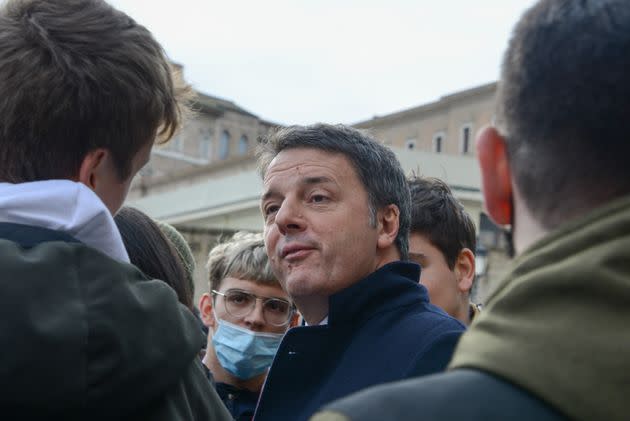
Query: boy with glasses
[{"x": 247, "y": 314}]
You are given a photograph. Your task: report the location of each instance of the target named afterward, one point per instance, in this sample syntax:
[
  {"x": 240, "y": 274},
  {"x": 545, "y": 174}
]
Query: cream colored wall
[
  {"x": 237, "y": 125},
  {"x": 447, "y": 116}
]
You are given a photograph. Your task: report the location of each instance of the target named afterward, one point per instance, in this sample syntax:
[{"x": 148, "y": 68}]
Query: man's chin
[{"x": 299, "y": 286}]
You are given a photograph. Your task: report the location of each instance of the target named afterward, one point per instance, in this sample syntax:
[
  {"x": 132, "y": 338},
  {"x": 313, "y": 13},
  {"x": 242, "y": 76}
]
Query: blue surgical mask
[{"x": 244, "y": 353}]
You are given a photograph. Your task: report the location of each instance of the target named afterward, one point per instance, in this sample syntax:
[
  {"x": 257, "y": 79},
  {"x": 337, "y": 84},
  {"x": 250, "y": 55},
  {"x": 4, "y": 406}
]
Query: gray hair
[
  {"x": 375, "y": 164},
  {"x": 244, "y": 257}
]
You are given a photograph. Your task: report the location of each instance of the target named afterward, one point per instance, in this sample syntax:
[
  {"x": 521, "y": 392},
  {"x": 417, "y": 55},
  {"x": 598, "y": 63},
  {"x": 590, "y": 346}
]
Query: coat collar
[{"x": 393, "y": 285}]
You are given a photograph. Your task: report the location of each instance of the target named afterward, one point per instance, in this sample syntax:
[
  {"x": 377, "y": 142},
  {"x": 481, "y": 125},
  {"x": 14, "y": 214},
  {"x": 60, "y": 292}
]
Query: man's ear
[
  {"x": 295, "y": 319},
  {"x": 388, "y": 223},
  {"x": 465, "y": 270},
  {"x": 496, "y": 177},
  {"x": 92, "y": 166},
  {"x": 205, "y": 310}
]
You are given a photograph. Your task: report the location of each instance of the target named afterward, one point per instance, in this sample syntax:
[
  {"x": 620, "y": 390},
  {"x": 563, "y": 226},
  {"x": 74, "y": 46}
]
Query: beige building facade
[
  {"x": 218, "y": 134},
  {"x": 446, "y": 126}
]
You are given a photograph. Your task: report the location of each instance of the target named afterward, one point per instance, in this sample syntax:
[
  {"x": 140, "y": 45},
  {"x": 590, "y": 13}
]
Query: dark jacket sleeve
[
  {"x": 456, "y": 395},
  {"x": 192, "y": 399},
  {"x": 88, "y": 337},
  {"x": 436, "y": 356},
  {"x": 145, "y": 346}
]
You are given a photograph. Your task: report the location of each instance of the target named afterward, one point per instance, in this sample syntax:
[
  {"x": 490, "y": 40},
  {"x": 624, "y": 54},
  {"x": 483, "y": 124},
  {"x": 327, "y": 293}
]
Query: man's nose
[
  {"x": 289, "y": 217},
  {"x": 255, "y": 320}
]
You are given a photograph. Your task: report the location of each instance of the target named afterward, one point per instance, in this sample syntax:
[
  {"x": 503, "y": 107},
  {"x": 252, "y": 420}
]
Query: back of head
[
  {"x": 77, "y": 75},
  {"x": 563, "y": 101},
  {"x": 181, "y": 246},
  {"x": 242, "y": 256},
  {"x": 151, "y": 252},
  {"x": 438, "y": 215},
  {"x": 376, "y": 165}
]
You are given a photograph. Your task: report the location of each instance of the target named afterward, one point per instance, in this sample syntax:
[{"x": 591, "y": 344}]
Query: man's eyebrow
[
  {"x": 306, "y": 181},
  {"x": 317, "y": 180},
  {"x": 269, "y": 194}
]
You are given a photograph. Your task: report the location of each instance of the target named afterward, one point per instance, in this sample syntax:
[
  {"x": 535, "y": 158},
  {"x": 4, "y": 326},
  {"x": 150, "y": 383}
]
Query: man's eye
[
  {"x": 318, "y": 198},
  {"x": 271, "y": 209},
  {"x": 239, "y": 298},
  {"x": 277, "y": 306}
]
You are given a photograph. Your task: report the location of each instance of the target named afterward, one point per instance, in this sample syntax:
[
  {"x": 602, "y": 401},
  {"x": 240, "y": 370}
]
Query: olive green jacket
[
  {"x": 84, "y": 336},
  {"x": 559, "y": 324}
]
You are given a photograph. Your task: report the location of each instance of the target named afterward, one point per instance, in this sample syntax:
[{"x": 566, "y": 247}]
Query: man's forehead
[{"x": 308, "y": 165}]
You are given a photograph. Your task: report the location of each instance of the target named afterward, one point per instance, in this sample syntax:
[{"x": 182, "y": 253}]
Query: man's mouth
[{"x": 292, "y": 252}]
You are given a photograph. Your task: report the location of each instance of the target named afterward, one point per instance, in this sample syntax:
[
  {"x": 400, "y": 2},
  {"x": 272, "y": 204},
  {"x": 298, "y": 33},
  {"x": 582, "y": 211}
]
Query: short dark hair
[
  {"x": 151, "y": 252},
  {"x": 438, "y": 215},
  {"x": 77, "y": 75},
  {"x": 375, "y": 164},
  {"x": 563, "y": 102}
]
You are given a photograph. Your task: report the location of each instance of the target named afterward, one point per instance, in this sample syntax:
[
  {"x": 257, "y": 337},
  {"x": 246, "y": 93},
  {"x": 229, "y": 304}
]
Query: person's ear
[
  {"x": 388, "y": 223},
  {"x": 205, "y": 310},
  {"x": 294, "y": 319},
  {"x": 465, "y": 270},
  {"x": 496, "y": 177},
  {"x": 92, "y": 166}
]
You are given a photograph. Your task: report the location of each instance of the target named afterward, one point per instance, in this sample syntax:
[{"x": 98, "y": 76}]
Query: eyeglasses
[{"x": 238, "y": 303}]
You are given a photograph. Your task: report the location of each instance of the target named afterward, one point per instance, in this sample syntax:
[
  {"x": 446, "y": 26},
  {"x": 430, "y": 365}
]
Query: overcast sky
[{"x": 341, "y": 61}]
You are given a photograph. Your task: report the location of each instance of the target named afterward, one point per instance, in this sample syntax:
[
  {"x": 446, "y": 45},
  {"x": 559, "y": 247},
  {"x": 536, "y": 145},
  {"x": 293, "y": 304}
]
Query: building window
[
  {"x": 410, "y": 144},
  {"x": 205, "y": 144},
  {"x": 465, "y": 140},
  {"x": 243, "y": 145},
  {"x": 438, "y": 142},
  {"x": 224, "y": 145}
]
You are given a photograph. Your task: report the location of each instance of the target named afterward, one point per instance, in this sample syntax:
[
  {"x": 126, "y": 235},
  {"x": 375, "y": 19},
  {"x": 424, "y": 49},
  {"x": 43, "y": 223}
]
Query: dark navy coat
[{"x": 379, "y": 330}]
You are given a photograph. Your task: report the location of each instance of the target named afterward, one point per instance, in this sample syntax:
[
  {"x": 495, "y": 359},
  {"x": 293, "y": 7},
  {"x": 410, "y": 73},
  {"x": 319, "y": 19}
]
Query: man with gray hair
[
  {"x": 336, "y": 207},
  {"x": 552, "y": 342}
]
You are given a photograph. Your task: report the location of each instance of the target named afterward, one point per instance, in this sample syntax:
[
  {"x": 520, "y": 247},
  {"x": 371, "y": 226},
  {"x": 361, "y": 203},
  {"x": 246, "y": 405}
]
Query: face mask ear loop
[{"x": 216, "y": 320}]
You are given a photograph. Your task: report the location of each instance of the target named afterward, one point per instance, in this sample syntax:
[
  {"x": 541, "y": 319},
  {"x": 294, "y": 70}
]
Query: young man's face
[
  {"x": 262, "y": 317},
  {"x": 317, "y": 227},
  {"x": 436, "y": 276}
]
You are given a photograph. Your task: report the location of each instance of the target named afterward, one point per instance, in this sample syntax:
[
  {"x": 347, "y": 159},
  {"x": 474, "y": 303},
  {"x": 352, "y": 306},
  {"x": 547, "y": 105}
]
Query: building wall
[{"x": 417, "y": 128}]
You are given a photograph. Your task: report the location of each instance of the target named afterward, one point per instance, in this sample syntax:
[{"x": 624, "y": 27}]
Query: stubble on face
[{"x": 315, "y": 203}]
